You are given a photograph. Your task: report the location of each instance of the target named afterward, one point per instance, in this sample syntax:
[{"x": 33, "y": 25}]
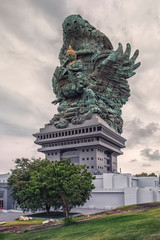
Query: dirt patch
[
  {"x": 23, "y": 228},
  {"x": 14, "y": 228}
]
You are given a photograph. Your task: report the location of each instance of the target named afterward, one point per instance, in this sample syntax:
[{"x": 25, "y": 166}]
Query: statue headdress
[{"x": 70, "y": 51}]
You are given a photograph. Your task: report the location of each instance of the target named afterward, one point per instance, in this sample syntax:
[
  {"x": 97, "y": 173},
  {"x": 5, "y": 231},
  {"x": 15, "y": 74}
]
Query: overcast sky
[{"x": 30, "y": 41}]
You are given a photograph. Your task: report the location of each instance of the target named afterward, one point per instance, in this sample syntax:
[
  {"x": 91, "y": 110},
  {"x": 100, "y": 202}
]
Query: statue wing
[{"x": 111, "y": 73}]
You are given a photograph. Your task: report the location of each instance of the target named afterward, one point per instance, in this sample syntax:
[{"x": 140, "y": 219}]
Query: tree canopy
[
  {"x": 143, "y": 174},
  {"x": 40, "y": 184}
]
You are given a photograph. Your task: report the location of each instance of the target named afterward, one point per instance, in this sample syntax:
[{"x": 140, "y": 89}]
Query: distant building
[{"x": 6, "y": 202}]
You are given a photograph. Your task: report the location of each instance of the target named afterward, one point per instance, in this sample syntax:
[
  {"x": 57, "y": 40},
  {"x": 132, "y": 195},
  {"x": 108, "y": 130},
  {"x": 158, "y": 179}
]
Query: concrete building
[
  {"x": 93, "y": 143},
  {"x": 6, "y": 202},
  {"x": 116, "y": 190}
]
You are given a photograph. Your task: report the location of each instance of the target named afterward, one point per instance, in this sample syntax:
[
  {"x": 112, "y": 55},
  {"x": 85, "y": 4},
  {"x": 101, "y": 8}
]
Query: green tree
[
  {"x": 143, "y": 174},
  {"x": 39, "y": 183},
  {"x": 68, "y": 184},
  {"x": 19, "y": 182}
]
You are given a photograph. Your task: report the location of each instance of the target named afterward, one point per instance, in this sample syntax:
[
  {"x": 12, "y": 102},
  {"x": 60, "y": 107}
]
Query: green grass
[
  {"x": 126, "y": 226},
  {"x": 18, "y": 222}
]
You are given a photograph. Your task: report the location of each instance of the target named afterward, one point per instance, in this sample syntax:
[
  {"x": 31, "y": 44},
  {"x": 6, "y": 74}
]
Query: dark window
[
  {"x": 91, "y": 158},
  {"x": 79, "y": 130},
  {"x": 94, "y": 129},
  {"x": 87, "y": 150},
  {"x": 69, "y": 133},
  {"x": 48, "y": 154},
  {"x": 62, "y": 134},
  {"x": 59, "y": 134},
  {"x": 91, "y": 150},
  {"x": 72, "y": 132},
  {"x": 87, "y": 166},
  {"x": 92, "y": 166},
  {"x": 83, "y": 130},
  {"x": 75, "y": 131},
  {"x": 90, "y": 129},
  {"x": 55, "y": 153},
  {"x": 65, "y": 133},
  {"x": 56, "y": 134},
  {"x": 86, "y": 130},
  {"x": 83, "y": 159},
  {"x": 99, "y": 128},
  {"x": 87, "y": 158},
  {"x": 82, "y": 150},
  {"x": 52, "y": 135}
]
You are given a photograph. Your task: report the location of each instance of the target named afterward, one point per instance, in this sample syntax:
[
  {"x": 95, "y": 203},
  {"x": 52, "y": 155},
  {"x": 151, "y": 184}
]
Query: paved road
[{"x": 10, "y": 216}]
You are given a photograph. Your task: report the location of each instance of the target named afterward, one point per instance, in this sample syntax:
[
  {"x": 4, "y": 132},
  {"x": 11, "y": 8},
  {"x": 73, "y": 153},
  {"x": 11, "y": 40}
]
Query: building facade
[
  {"x": 6, "y": 202},
  {"x": 93, "y": 143},
  {"x": 116, "y": 190}
]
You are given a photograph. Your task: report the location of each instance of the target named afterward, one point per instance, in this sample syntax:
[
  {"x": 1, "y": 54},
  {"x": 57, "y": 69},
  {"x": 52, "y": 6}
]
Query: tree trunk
[
  {"x": 66, "y": 213},
  {"x": 48, "y": 209}
]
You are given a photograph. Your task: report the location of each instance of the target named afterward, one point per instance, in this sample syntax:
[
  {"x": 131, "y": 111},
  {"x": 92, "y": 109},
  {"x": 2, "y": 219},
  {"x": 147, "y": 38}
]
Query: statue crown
[{"x": 70, "y": 51}]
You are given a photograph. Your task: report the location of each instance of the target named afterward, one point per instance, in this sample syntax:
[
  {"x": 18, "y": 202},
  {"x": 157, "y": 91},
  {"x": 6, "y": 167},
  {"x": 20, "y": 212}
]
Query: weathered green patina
[{"x": 92, "y": 77}]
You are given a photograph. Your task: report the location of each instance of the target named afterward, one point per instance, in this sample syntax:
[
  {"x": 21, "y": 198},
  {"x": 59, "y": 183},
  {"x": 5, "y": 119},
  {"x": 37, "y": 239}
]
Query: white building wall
[
  {"x": 130, "y": 196},
  {"x": 101, "y": 200},
  {"x": 144, "y": 195},
  {"x": 115, "y": 190}
]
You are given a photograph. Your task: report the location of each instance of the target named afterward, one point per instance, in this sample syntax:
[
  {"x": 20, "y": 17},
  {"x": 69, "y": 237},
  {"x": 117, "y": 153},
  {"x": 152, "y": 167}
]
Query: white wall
[{"x": 115, "y": 190}]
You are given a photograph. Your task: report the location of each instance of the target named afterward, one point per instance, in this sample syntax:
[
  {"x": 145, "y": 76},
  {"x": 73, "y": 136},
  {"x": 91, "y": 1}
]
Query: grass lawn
[{"x": 124, "y": 226}]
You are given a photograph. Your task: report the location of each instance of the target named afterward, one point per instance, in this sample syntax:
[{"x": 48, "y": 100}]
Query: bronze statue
[{"x": 92, "y": 77}]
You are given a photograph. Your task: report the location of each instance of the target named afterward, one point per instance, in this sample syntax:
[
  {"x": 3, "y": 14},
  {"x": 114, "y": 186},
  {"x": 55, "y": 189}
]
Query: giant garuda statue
[{"x": 92, "y": 77}]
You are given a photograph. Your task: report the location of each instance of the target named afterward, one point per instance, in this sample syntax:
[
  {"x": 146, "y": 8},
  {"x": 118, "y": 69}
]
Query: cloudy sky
[{"x": 30, "y": 41}]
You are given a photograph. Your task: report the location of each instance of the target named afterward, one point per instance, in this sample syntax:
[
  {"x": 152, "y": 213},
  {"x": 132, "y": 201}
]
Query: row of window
[
  {"x": 52, "y": 153},
  {"x": 88, "y": 158},
  {"x": 100, "y": 159},
  {"x": 71, "y": 142},
  {"x": 100, "y": 167},
  {"x": 91, "y": 167},
  {"x": 69, "y": 133},
  {"x": 87, "y": 150},
  {"x": 100, "y": 150}
]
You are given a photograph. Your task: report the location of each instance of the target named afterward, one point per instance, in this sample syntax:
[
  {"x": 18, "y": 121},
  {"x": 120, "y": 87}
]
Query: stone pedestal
[{"x": 93, "y": 143}]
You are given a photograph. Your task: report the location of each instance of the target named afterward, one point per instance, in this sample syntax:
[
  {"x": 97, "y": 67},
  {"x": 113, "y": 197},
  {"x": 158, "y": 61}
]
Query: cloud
[
  {"x": 11, "y": 129},
  {"x": 138, "y": 132},
  {"x": 151, "y": 155},
  {"x": 146, "y": 165},
  {"x": 133, "y": 160}
]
